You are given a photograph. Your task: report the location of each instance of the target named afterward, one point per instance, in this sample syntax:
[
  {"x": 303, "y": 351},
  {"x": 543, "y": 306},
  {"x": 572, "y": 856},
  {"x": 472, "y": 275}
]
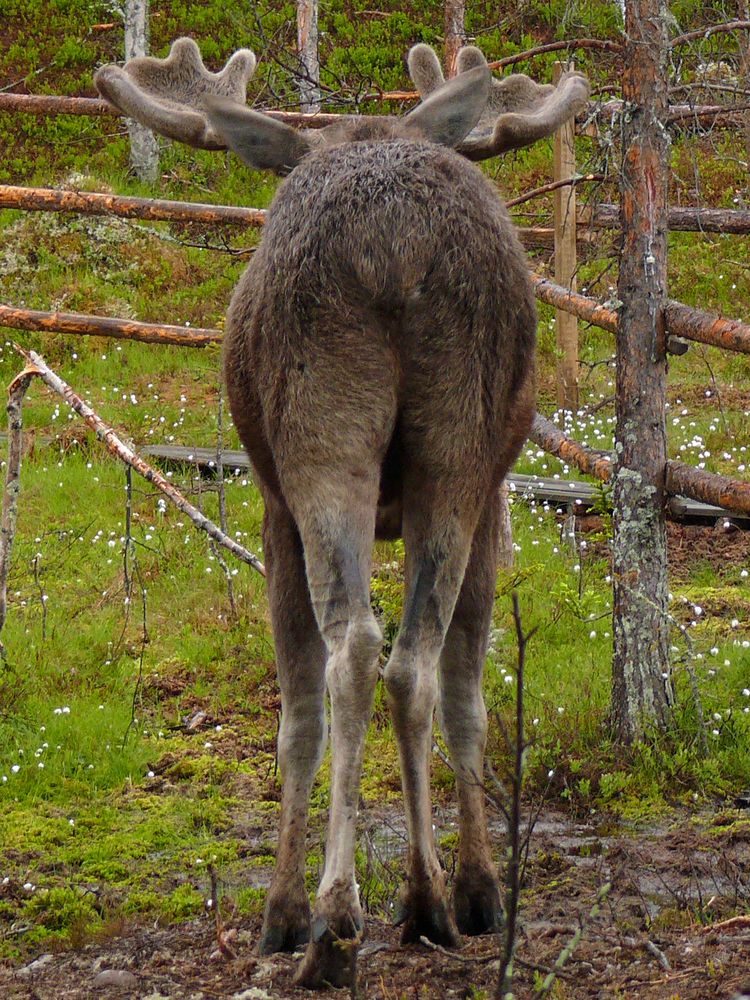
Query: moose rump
[{"x": 383, "y": 330}]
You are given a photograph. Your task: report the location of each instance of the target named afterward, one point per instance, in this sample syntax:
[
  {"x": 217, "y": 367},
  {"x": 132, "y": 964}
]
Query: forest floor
[{"x": 659, "y": 874}]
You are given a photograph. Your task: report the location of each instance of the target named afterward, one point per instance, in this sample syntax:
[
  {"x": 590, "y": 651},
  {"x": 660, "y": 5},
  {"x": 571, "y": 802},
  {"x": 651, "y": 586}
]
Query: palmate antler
[
  {"x": 170, "y": 95},
  {"x": 474, "y": 113},
  {"x": 518, "y": 110}
]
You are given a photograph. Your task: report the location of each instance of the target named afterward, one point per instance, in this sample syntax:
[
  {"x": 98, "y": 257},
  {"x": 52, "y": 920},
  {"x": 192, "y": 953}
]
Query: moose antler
[
  {"x": 170, "y": 95},
  {"x": 518, "y": 111}
]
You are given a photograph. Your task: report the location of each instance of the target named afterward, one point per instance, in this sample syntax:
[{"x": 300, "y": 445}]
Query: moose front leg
[{"x": 300, "y": 665}]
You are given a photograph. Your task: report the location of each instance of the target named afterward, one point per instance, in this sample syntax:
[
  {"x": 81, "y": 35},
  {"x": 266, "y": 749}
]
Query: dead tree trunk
[
  {"x": 144, "y": 149},
  {"x": 455, "y": 35},
  {"x": 307, "y": 48},
  {"x": 641, "y": 692}
]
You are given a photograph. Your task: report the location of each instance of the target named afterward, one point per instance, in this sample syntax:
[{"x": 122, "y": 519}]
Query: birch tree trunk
[
  {"x": 144, "y": 149},
  {"x": 455, "y": 35},
  {"x": 307, "y": 48},
  {"x": 641, "y": 691}
]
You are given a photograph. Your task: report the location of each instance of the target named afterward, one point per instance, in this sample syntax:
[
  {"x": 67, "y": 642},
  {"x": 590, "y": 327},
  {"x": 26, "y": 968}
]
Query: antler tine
[
  {"x": 518, "y": 111},
  {"x": 424, "y": 69},
  {"x": 169, "y": 95}
]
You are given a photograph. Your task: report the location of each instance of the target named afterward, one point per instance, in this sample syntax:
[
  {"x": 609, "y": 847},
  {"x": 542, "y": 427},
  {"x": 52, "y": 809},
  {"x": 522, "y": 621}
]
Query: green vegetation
[{"x": 110, "y": 804}]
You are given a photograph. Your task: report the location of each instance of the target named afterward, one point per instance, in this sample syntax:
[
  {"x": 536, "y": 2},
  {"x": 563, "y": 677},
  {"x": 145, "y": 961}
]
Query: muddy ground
[{"x": 668, "y": 929}]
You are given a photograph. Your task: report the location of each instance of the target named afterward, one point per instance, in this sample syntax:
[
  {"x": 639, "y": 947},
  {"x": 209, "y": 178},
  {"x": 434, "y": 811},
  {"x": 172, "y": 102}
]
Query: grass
[{"x": 110, "y": 806}]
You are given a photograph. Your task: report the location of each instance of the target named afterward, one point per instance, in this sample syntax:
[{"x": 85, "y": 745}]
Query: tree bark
[
  {"x": 455, "y": 35},
  {"x": 641, "y": 691},
  {"x": 564, "y": 198},
  {"x": 307, "y": 48},
  {"x": 144, "y": 148}
]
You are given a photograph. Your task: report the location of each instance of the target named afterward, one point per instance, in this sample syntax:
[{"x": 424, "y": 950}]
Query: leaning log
[
  {"x": 594, "y": 463},
  {"x": 706, "y": 328},
  {"x": 709, "y": 487},
  {"x": 104, "y": 326},
  {"x": 36, "y": 365},
  {"x": 580, "y": 305},
  {"x": 681, "y": 320},
  {"x": 682, "y": 480},
  {"x": 152, "y": 209}
]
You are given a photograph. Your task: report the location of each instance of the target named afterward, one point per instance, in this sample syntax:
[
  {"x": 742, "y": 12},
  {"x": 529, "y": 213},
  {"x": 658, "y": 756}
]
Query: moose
[{"x": 379, "y": 363}]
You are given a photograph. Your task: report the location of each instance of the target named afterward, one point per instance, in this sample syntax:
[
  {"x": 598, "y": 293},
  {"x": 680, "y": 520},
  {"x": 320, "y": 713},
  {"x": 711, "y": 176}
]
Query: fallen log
[
  {"x": 105, "y": 326},
  {"x": 156, "y": 209},
  {"x": 153, "y": 209},
  {"x": 580, "y": 305},
  {"x": 718, "y": 115},
  {"x": 52, "y": 104},
  {"x": 709, "y": 487},
  {"x": 693, "y": 220},
  {"x": 594, "y": 463},
  {"x": 706, "y": 328}
]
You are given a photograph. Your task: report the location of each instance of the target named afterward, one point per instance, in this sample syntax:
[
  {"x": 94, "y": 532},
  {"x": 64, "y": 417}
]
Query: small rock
[
  {"x": 196, "y": 720},
  {"x": 115, "y": 977},
  {"x": 35, "y": 966},
  {"x": 254, "y": 993}
]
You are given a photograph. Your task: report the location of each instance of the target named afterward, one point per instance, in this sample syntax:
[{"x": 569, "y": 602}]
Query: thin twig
[
  {"x": 513, "y": 884},
  {"x": 571, "y": 946},
  {"x": 553, "y": 186}
]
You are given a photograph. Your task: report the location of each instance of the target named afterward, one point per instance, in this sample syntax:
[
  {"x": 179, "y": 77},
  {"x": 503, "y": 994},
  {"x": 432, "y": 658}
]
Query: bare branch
[{"x": 37, "y": 366}]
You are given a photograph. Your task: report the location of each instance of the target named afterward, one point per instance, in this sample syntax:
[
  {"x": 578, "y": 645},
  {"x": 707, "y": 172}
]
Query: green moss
[{"x": 182, "y": 904}]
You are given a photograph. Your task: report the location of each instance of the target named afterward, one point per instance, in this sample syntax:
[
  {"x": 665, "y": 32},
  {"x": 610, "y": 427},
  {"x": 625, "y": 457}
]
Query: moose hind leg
[
  {"x": 463, "y": 722},
  {"x": 437, "y": 547},
  {"x": 300, "y": 665},
  {"x": 338, "y": 543}
]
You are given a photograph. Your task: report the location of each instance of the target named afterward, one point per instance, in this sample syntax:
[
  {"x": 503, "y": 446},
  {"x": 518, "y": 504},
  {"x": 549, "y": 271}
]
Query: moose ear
[
  {"x": 259, "y": 140},
  {"x": 452, "y": 110}
]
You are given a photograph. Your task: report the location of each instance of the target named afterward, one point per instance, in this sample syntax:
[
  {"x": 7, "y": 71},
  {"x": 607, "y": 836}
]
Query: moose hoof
[
  {"x": 331, "y": 956},
  {"x": 424, "y": 912},
  {"x": 476, "y": 903},
  {"x": 286, "y": 923}
]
